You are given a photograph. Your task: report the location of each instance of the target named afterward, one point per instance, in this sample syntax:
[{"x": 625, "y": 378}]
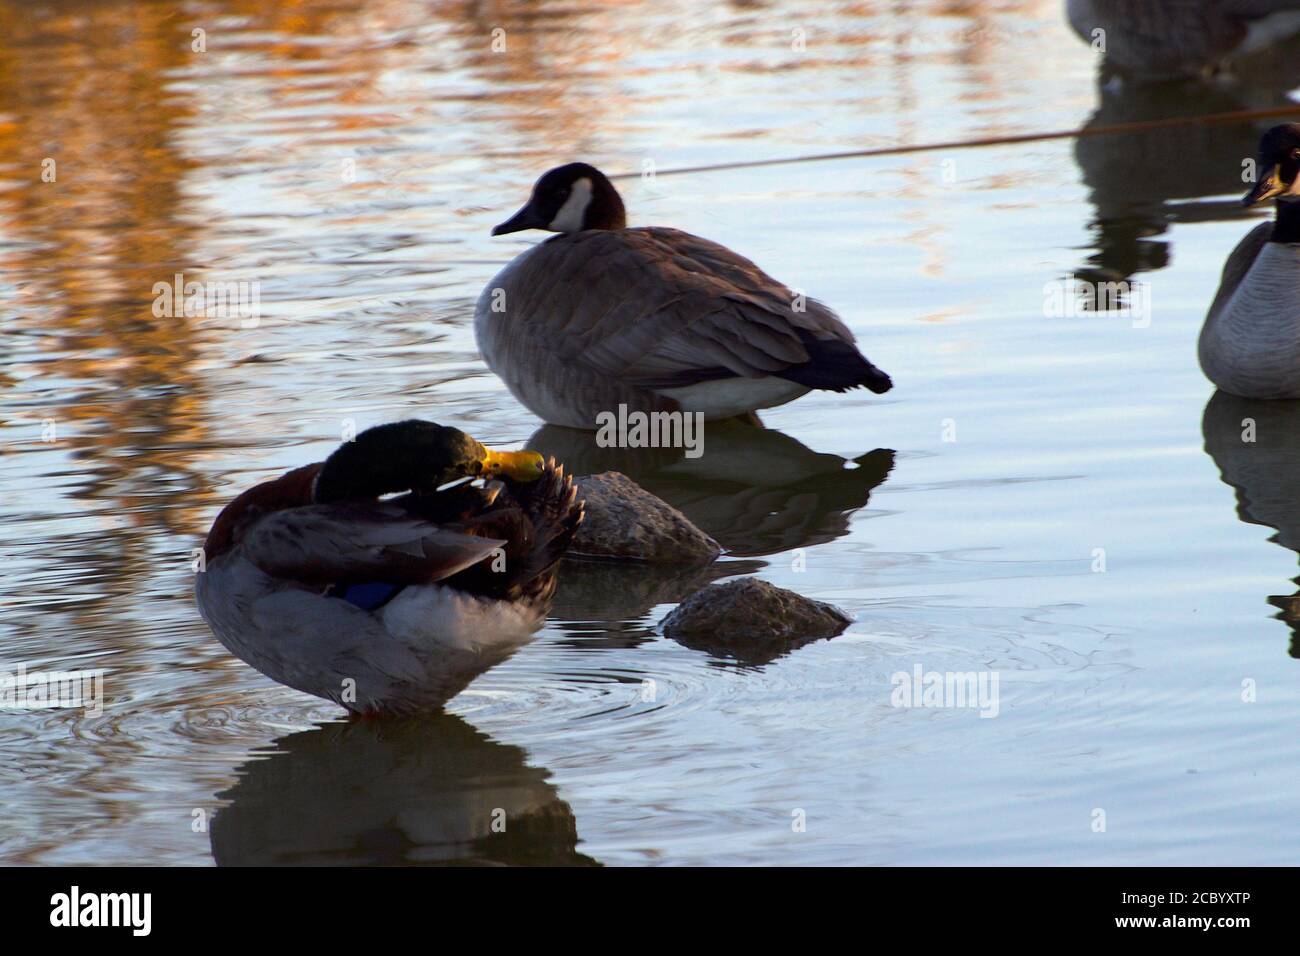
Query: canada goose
[
  {"x": 1250, "y": 343},
  {"x": 652, "y": 318},
  {"x": 395, "y": 605},
  {"x": 1177, "y": 39}
]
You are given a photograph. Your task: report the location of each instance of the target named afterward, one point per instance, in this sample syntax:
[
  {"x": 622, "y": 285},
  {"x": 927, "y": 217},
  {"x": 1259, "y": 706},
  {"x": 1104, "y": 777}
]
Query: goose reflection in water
[
  {"x": 1141, "y": 181},
  {"x": 755, "y": 490},
  {"x": 1264, "y": 472},
  {"x": 430, "y": 790}
]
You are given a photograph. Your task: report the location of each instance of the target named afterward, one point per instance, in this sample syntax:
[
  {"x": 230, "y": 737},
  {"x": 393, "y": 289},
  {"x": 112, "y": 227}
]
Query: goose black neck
[{"x": 1286, "y": 228}]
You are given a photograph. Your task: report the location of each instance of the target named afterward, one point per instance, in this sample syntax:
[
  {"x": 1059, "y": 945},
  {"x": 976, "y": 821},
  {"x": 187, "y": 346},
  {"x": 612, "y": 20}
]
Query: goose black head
[
  {"x": 414, "y": 456},
  {"x": 569, "y": 199},
  {"x": 1277, "y": 169}
]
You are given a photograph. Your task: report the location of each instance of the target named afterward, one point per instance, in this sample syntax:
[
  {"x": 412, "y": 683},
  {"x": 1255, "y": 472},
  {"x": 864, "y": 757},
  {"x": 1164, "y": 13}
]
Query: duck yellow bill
[{"x": 519, "y": 465}]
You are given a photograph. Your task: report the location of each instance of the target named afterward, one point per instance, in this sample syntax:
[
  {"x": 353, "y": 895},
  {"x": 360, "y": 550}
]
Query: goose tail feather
[{"x": 837, "y": 366}]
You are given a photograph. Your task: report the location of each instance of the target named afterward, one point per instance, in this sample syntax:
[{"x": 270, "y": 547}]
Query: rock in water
[
  {"x": 624, "y": 520},
  {"x": 751, "y": 620}
]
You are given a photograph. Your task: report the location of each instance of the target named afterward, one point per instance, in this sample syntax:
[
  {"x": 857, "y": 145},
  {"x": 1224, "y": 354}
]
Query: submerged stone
[{"x": 751, "y": 620}]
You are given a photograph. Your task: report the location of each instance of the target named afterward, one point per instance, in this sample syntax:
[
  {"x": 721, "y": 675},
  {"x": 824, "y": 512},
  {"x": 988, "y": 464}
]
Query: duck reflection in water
[
  {"x": 1264, "y": 471},
  {"x": 431, "y": 790},
  {"x": 1176, "y": 166}
]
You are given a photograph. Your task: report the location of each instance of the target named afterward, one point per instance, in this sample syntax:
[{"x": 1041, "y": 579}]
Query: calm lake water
[{"x": 1060, "y": 500}]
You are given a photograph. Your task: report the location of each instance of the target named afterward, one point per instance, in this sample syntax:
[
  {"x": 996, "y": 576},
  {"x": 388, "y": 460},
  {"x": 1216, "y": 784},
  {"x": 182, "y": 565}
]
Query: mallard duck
[
  {"x": 652, "y": 318},
  {"x": 389, "y": 604},
  {"x": 1250, "y": 343}
]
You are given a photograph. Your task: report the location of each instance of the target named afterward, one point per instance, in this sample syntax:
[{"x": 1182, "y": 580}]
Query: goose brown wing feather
[{"x": 646, "y": 306}]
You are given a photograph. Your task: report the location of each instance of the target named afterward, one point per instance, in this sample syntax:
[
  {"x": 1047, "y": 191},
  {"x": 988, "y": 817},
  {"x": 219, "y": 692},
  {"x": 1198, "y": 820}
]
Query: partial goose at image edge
[{"x": 1249, "y": 345}]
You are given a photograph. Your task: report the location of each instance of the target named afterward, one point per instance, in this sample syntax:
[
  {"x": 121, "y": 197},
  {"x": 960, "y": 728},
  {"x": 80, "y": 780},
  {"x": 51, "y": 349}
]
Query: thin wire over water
[{"x": 1141, "y": 126}]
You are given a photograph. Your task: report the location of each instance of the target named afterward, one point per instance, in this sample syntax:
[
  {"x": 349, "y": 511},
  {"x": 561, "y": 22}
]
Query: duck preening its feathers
[
  {"x": 389, "y": 604},
  {"x": 414, "y": 455},
  {"x": 653, "y": 318},
  {"x": 1250, "y": 343}
]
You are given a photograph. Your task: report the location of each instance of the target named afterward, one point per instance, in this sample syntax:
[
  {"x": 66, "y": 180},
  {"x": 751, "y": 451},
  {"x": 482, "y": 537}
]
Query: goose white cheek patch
[{"x": 574, "y": 210}]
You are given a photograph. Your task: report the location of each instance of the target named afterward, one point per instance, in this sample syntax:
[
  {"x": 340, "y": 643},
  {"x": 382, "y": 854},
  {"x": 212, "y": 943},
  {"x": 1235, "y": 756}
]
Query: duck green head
[{"x": 416, "y": 456}]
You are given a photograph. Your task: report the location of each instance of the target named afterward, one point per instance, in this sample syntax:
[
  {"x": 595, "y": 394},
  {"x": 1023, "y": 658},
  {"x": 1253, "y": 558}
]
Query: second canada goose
[
  {"x": 1176, "y": 39},
  {"x": 652, "y": 318},
  {"x": 1250, "y": 344}
]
